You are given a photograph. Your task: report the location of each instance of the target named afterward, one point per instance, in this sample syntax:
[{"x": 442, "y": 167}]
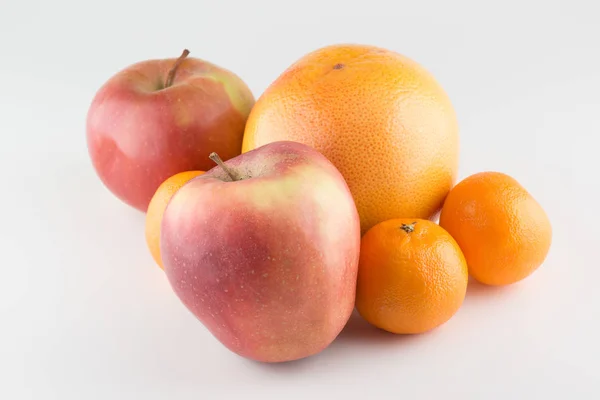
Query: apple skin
[
  {"x": 140, "y": 133},
  {"x": 269, "y": 263}
]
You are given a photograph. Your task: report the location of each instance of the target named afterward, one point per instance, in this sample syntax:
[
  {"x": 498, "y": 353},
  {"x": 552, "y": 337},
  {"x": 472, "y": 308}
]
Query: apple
[
  {"x": 157, "y": 118},
  {"x": 263, "y": 249}
]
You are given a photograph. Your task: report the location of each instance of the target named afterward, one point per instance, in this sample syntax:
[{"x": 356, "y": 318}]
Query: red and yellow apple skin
[
  {"x": 267, "y": 263},
  {"x": 139, "y": 132}
]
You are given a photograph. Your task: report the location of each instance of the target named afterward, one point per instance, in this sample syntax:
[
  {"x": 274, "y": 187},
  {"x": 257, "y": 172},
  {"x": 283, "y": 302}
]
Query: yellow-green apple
[
  {"x": 263, "y": 250},
  {"x": 157, "y": 118}
]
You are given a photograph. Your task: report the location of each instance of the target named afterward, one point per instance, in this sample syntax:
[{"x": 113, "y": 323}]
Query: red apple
[
  {"x": 263, "y": 250},
  {"x": 157, "y": 118}
]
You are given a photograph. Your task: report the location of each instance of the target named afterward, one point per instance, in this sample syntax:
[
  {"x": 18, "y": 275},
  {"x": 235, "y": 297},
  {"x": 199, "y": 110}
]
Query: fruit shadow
[
  {"x": 478, "y": 291},
  {"x": 360, "y": 331},
  {"x": 357, "y": 333}
]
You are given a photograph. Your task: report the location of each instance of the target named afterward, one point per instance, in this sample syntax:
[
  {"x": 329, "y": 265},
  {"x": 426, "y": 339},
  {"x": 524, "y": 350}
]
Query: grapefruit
[{"x": 380, "y": 117}]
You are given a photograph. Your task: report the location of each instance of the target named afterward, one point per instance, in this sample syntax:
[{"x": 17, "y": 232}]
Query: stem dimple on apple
[
  {"x": 232, "y": 174},
  {"x": 171, "y": 75}
]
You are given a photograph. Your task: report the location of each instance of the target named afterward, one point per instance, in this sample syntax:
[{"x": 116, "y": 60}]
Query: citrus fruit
[
  {"x": 380, "y": 117},
  {"x": 412, "y": 276},
  {"x": 157, "y": 206},
  {"x": 502, "y": 230}
]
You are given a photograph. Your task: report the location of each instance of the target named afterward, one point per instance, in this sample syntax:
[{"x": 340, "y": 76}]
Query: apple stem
[
  {"x": 215, "y": 157},
  {"x": 171, "y": 75}
]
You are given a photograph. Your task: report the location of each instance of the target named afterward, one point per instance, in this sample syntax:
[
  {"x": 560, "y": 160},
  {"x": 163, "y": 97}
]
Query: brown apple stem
[
  {"x": 171, "y": 75},
  {"x": 215, "y": 157}
]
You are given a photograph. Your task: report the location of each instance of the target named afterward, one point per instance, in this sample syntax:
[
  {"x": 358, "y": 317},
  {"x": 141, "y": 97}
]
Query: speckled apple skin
[
  {"x": 267, "y": 264},
  {"x": 140, "y": 133}
]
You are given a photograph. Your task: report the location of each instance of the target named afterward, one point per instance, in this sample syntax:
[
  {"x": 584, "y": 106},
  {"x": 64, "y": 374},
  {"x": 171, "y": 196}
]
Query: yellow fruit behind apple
[{"x": 157, "y": 206}]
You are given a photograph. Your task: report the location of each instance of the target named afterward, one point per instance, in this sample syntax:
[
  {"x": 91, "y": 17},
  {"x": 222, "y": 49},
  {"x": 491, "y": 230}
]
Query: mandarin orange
[
  {"x": 502, "y": 230},
  {"x": 412, "y": 276},
  {"x": 157, "y": 206}
]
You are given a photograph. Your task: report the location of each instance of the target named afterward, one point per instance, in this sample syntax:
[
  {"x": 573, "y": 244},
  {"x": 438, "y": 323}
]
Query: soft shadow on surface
[
  {"x": 477, "y": 290},
  {"x": 288, "y": 367},
  {"x": 359, "y": 336},
  {"x": 359, "y": 330}
]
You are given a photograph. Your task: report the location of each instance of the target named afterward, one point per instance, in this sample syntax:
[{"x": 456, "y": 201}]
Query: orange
[
  {"x": 503, "y": 232},
  {"x": 412, "y": 276},
  {"x": 381, "y": 118},
  {"x": 157, "y": 206}
]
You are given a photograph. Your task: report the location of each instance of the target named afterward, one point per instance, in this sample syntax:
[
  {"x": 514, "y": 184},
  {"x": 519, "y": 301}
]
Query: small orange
[
  {"x": 157, "y": 206},
  {"x": 412, "y": 276},
  {"x": 503, "y": 231}
]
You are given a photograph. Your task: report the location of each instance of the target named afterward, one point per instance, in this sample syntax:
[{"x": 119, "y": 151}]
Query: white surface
[{"x": 84, "y": 312}]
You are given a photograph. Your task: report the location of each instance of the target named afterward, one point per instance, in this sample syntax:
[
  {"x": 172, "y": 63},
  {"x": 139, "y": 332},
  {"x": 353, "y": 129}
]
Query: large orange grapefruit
[{"x": 381, "y": 118}]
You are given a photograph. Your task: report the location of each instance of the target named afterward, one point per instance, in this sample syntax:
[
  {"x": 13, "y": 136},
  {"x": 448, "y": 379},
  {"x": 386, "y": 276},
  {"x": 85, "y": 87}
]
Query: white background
[{"x": 85, "y": 313}]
